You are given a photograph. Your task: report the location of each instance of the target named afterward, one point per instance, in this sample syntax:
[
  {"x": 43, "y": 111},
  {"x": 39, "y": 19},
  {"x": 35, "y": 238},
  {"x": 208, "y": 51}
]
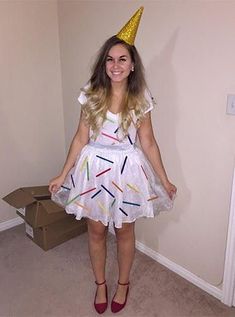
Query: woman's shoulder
[{"x": 150, "y": 101}]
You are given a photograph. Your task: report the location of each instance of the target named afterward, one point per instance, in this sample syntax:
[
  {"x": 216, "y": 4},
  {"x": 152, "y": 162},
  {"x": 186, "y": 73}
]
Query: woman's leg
[
  {"x": 125, "y": 252},
  {"x": 97, "y": 233}
]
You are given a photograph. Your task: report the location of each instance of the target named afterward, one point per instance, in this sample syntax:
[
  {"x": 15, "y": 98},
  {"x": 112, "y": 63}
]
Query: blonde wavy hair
[{"x": 98, "y": 91}]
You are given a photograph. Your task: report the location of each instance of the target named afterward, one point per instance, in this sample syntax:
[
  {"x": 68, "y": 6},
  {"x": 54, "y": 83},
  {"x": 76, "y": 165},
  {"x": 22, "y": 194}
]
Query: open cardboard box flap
[
  {"x": 50, "y": 206},
  {"x": 19, "y": 198},
  {"x": 25, "y": 196},
  {"x": 38, "y": 192}
]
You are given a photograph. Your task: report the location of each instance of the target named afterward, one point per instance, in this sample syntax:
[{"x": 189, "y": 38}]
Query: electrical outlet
[{"x": 231, "y": 104}]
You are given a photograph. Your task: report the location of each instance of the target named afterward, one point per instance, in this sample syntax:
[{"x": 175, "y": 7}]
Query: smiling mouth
[{"x": 116, "y": 73}]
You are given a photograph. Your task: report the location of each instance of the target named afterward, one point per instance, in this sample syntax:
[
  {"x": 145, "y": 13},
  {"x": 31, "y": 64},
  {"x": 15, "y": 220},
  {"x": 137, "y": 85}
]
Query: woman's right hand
[{"x": 55, "y": 183}]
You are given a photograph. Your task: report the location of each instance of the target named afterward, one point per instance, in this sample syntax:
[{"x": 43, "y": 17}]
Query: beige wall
[
  {"x": 188, "y": 49},
  {"x": 31, "y": 112}
]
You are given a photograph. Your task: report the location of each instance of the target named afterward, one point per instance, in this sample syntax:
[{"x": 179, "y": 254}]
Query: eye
[
  {"x": 108, "y": 59},
  {"x": 123, "y": 59}
]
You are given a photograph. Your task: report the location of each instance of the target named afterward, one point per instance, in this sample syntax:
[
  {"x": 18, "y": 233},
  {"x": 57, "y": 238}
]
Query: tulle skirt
[{"x": 112, "y": 184}]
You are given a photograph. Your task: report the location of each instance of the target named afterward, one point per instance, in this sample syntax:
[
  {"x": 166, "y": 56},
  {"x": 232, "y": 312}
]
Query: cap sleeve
[
  {"x": 150, "y": 101},
  {"x": 82, "y": 98}
]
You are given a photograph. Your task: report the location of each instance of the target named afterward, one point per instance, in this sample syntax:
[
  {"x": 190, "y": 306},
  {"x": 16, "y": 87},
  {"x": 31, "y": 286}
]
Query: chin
[{"x": 118, "y": 80}]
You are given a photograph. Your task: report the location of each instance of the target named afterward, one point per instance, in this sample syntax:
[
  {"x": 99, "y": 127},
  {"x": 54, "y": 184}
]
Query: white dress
[{"x": 112, "y": 180}]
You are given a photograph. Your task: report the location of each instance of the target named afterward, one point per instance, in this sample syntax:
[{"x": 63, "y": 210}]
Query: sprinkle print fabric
[{"x": 112, "y": 181}]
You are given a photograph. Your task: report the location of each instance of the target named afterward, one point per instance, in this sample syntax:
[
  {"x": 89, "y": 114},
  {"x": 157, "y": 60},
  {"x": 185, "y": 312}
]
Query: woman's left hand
[{"x": 170, "y": 188}]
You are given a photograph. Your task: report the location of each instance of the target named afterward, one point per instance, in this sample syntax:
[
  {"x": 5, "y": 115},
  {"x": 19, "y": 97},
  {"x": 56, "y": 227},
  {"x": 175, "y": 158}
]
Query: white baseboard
[
  {"x": 10, "y": 223},
  {"x": 194, "y": 279}
]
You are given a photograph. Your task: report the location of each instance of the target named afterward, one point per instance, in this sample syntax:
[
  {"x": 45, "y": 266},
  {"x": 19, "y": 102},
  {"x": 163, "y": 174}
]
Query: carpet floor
[{"x": 60, "y": 282}]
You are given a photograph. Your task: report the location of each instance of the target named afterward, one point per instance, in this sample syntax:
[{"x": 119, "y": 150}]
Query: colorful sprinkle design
[
  {"x": 96, "y": 194},
  {"x": 152, "y": 198},
  {"x": 130, "y": 203},
  {"x": 72, "y": 180},
  {"x": 65, "y": 187},
  {"x": 109, "y": 136},
  {"x": 123, "y": 211},
  {"x": 105, "y": 159},
  {"x": 105, "y": 171},
  {"x": 144, "y": 172},
  {"x": 118, "y": 187},
  {"x": 123, "y": 165},
  {"x": 133, "y": 187},
  {"x": 107, "y": 191}
]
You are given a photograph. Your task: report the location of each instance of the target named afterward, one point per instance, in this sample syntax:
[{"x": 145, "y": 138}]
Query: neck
[
  {"x": 119, "y": 89},
  {"x": 118, "y": 93}
]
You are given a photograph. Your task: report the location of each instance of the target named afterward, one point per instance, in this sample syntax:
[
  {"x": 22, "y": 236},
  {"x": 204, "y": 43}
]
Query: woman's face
[{"x": 118, "y": 64}]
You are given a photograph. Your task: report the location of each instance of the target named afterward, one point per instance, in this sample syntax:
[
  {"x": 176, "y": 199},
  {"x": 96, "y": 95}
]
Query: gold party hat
[{"x": 128, "y": 32}]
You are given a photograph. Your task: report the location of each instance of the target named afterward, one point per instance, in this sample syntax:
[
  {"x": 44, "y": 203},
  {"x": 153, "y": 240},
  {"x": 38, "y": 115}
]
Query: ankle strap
[
  {"x": 124, "y": 284},
  {"x": 100, "y": 283}
]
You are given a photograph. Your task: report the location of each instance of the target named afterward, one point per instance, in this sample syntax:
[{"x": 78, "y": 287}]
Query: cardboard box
[
  {"x": 46, "y": 223},
  {"x": 56, "y": 233},
  {"x": 34, "y": 205}
]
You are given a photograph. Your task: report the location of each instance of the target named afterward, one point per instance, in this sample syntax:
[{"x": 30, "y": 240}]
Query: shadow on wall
[
  {"x": 14, "y": 155},
  {"x": 21, "y": 160},
  {"x": 164, "y": 88}
]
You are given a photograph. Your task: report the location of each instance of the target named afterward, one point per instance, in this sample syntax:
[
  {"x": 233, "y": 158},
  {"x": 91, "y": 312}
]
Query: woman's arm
[
  {"x": 79, "y": 141},
  {"x": 152, "y": 152}
]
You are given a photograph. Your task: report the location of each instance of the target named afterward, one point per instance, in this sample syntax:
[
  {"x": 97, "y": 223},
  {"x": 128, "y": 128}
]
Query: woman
[{"x": 106, "y": 177}]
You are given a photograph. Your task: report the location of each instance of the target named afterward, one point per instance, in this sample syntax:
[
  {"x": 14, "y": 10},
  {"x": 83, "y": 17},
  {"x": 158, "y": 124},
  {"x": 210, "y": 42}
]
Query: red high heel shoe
[
  {"x": 115, "y": 306},
  {"x": 101, "y": 307}
]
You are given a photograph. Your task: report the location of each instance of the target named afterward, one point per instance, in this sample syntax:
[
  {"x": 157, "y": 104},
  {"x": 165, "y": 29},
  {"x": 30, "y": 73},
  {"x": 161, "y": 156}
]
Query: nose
[{"x": 115, "y": 64}]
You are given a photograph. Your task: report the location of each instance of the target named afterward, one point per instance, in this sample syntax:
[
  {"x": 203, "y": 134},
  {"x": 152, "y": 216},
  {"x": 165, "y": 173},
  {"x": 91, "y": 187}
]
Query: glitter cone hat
[{"x": 128, "y": 32}]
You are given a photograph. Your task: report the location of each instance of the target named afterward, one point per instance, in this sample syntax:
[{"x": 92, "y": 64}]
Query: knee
[
  {"x": 126, "y": 232},
  {"x": 97, "y": 232}
]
